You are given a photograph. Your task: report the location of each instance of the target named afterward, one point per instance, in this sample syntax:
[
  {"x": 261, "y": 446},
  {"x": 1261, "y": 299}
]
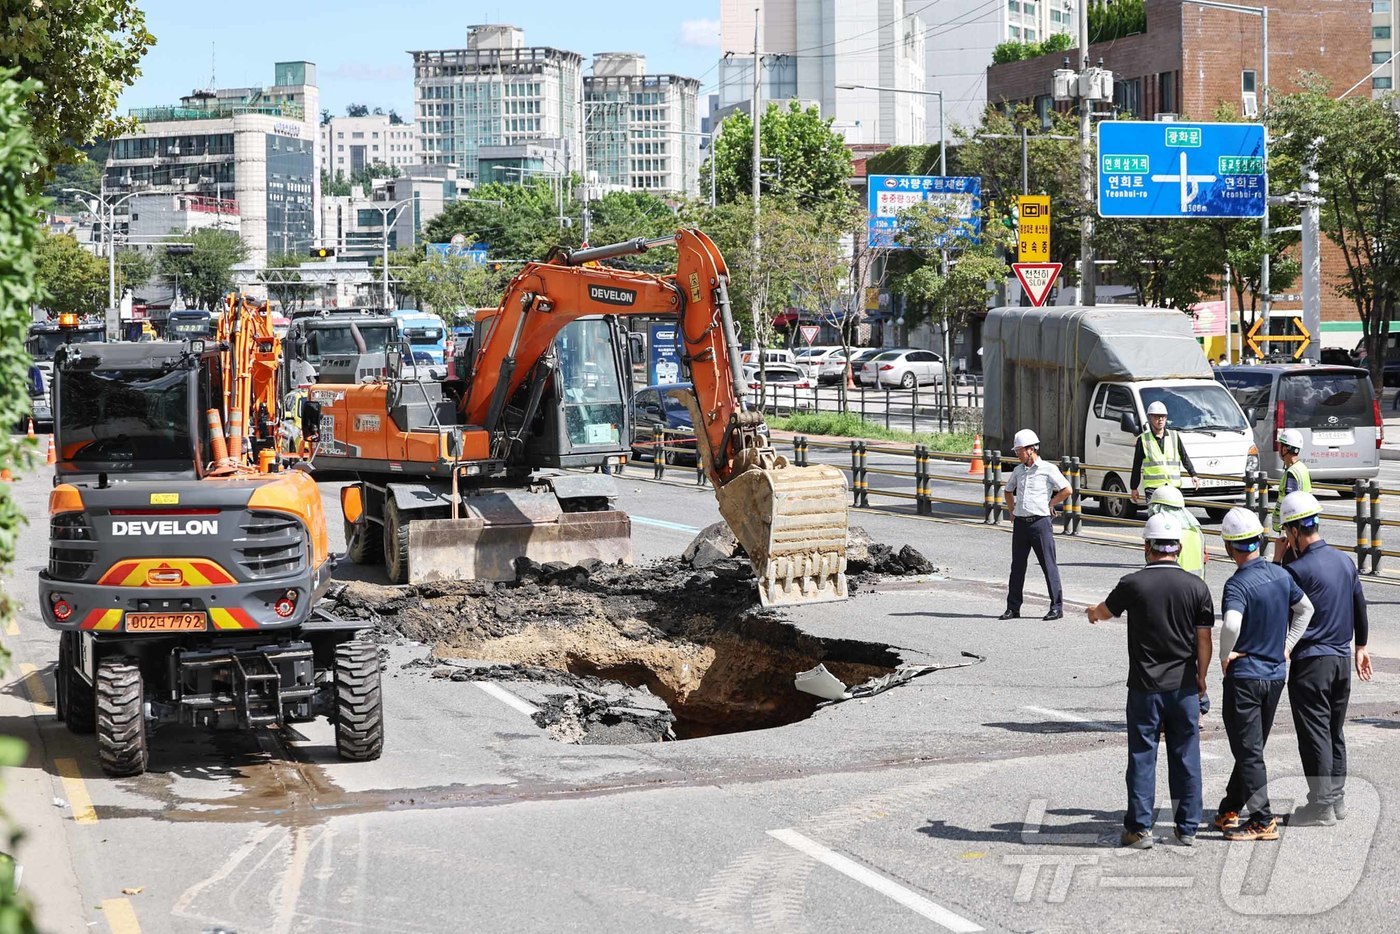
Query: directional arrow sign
[
  {"x": 1036, "y": 279},
  {"x": 1303, "y": 339},
  {"x": 1182, "y": 169}
]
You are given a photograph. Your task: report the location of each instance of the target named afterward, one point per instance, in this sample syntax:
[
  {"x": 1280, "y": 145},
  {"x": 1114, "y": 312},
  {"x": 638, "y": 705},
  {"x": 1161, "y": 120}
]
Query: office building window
[
  {"x": 1380, "y": 32},
  {"x": 1380, "y": 6},
  {"x": 1247, "y": 83},
  {"x": 1166, "y": 92},
  {"x": 1379, "y": 57},
  {"x": 1381, "y": 84}
]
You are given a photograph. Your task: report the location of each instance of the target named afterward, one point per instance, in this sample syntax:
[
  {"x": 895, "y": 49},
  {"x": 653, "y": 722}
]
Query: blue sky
[{"x": 360, "y": 47}]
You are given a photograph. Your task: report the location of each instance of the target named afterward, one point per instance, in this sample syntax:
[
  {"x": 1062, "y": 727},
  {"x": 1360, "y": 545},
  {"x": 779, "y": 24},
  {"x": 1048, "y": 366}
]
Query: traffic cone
[
  {"x": 53, "y": 453},
  {"x": 5, "y": 476},
  {"x": 977, "y": 467},
  {"x": 31, "y": 429},
  {"x": 850, "y": 382}
]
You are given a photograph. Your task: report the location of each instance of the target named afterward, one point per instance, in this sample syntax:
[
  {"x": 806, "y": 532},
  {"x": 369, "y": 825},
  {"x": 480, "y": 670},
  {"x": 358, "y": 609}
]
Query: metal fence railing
[{"x": 923, "y": 408}]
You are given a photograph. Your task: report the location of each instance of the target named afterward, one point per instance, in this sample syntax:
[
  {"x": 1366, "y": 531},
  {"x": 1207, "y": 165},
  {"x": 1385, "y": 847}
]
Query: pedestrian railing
[
  {"x": 922, "y": 408},
  {"x": 928, "y": 488}
]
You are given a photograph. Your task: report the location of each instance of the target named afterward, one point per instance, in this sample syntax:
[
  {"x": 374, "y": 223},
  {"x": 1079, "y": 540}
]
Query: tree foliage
[
  {"x": 73, "y": 279},
  {"x": 134, "y": 269},
  {"x": 20, "y": 212},
  {"x": 1356, "y": 148},
  {"x": 84, "y": 53},
  {"x": 810, "y": 165},
  {"x": 976, "y": 265},
  {"x": 455, "y": 286},
  {"x": 517, "y": 222},
  {"x": 206, "y": 274},
  {"x": 340, "y": 185},
  {"x": 1014, "y": 51}
]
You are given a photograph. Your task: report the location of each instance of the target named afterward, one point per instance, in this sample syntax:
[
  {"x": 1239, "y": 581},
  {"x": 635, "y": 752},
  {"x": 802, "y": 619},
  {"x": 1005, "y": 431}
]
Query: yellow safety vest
[
  {"x": 1193, "y": 552},
  {"x": 1299, "y": 472},
  {"x": 1161, "y": 462}
]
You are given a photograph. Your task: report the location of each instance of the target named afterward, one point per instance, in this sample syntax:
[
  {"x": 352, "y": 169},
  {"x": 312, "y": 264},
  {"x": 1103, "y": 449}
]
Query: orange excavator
[
  {"x": 187, "y": 555},
  {"x": 463, "y": 477}
]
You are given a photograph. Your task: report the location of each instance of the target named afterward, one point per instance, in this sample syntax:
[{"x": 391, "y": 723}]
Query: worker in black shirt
[
  {"x": 1170, "y": 615},
  {"x": 1159, "y": 457},
  {"x": 1319, "y": 678}
]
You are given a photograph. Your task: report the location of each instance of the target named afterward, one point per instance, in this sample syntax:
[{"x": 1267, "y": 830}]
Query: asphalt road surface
[{"x": 983, "y": 798}]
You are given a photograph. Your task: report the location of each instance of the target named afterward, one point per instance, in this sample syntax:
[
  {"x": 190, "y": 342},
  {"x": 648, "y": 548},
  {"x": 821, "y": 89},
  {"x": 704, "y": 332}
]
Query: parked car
[
  {"x": 859, "y": 356},
  {"x": 769, "y": 356},
  {"x": 905, "y": 368},
  {"x": 1334, "y": 407},
  {"x": 654, "y": 409},
  {"x": 812, "y": 358},
  {"x": 778, "y": 374}
]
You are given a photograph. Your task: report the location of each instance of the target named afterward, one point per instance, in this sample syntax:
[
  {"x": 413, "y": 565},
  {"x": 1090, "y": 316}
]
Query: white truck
[{"x": 1083, "y": 378}]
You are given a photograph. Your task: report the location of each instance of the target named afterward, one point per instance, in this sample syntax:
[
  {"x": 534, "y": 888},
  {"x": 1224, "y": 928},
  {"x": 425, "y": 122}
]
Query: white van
[{"x": 768, "y": 356}]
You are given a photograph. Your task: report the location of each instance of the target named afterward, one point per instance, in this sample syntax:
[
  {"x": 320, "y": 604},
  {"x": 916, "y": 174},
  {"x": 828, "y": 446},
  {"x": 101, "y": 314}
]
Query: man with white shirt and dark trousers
[
  {"x": 1264, "y": 613},
  {"x": 1319, "y": 679},
  {"x": 1036, "y": 487}
]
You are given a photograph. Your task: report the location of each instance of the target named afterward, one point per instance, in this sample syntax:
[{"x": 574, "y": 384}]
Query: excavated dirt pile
[{"x": 674, "y": 649}]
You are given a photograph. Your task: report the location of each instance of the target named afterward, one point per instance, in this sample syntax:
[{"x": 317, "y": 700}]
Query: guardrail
[
  {"x": 923, "y": 408},
  {"x": 931, "y": 488}
]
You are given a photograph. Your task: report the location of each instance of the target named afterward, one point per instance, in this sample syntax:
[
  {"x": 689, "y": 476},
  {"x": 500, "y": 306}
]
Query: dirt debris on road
[{"x": 671, "y": 649}]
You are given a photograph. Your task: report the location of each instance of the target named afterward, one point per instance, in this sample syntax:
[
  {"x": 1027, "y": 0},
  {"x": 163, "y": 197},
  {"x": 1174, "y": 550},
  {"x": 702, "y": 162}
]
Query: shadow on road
[
  {"x": 1046, "y": 727},
  {"x": 1095, "y": 829}
]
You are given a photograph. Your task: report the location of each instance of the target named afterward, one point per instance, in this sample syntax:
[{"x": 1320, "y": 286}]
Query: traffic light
[
  {"x": 322, "y": 252},
  {"x": 179, "y": 249}
]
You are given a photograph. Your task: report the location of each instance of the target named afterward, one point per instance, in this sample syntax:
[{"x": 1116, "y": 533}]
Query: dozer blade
[
  {"x": 503, "y": 527},
  {"x": 792, "y": 522}
]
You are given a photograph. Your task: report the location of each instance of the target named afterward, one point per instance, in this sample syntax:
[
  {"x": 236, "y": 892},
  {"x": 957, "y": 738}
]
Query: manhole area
[{"x": 622, "y": 654}]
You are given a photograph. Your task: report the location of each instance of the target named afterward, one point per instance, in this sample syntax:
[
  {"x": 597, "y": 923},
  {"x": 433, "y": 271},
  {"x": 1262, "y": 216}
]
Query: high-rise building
[
  {"x": 641, "y": 131},
  {"x": 255, "y": 147},
  {"x": 962, "y": 36},
  {"x": 809, "y": 48},
  {"x": 495, "y": 92},
  {"x": 352, "y": 144},
  {"x": 1385, "y": 21}
]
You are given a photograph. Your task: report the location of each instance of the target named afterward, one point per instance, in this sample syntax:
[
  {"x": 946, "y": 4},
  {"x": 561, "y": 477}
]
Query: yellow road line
[
  {"x": 34, "y": 687},
  {"x": 76, "y": 790},
  {"x": 121, "y": 917},
  {"x": 12, "y": 627}
]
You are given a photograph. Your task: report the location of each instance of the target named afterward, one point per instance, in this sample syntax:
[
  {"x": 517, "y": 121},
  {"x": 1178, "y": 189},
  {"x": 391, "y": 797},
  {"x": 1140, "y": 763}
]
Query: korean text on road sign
[{"x": 1033, "y": 229}]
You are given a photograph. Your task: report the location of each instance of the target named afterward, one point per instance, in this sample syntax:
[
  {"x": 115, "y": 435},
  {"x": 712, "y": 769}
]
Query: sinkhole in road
[{"x": 622, "y": 654}]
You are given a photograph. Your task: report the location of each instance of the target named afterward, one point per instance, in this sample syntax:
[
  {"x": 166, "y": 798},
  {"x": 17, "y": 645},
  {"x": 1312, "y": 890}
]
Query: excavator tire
[
  {"x": 77, "y": 704},
  {"x": 359, "y": 714},
  {"x": 121, "y": 721},
  {"x": 395, "y": 543},
  {"x": 368, "y": 548}
]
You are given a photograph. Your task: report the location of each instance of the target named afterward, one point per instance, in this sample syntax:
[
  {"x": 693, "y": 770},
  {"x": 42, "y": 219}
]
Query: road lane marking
[
  {"x": 506, "y": 697},
  {"x": 121, "y": 917},
  {"x": 1066, "y": 717},
  {"x": 867, "y": 877},
  {"x": 75, "y": 789},
  {"x": 663, "y": 524},
  {"x": 35, "y": 689}
]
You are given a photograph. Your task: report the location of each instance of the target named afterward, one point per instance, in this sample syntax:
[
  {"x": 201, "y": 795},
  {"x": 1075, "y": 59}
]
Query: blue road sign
[
  {"x": 1182, "y": 169},
  {"x": 891, "y": 194},
  {"x": 476, "y": 254}
]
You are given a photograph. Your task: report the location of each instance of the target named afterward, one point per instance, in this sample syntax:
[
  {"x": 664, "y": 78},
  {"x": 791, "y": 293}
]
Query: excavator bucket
[
  {"x": 792, "y": 523},
  {"x": 503, "y": 526}
]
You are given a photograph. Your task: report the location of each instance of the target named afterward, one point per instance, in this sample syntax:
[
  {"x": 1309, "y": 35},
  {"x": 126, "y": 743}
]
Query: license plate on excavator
[{"x": 166, "y": 622}]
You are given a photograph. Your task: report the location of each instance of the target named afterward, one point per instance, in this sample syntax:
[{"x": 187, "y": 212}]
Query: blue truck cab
[{"x": 425, "y": 335}]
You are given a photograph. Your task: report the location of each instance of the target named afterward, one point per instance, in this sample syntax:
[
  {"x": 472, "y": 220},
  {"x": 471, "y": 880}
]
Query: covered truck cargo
[{"x": 1041, "y": 365}]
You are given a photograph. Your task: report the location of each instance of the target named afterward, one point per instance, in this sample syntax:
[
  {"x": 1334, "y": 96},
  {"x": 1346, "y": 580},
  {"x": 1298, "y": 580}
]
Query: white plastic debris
[{"x": 821, "y": 683}]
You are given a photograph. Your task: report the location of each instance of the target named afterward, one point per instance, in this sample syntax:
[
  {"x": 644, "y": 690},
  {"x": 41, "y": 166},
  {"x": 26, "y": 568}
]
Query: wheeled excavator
[
  {"x": 187, "y": 554},
  {"x": 466, "y": 475}
]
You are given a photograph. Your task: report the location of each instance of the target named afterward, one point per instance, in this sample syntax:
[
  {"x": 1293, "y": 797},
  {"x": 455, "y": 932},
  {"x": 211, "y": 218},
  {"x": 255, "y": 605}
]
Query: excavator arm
[{"x": 790, "y": 520}]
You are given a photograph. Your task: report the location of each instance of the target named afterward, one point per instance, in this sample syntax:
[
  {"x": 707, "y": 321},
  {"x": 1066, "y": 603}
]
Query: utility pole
[
  {"x": 756, "y": 106},
  {"x": 1312, "y": 254},
  {"x": 1088, "y": 274}
]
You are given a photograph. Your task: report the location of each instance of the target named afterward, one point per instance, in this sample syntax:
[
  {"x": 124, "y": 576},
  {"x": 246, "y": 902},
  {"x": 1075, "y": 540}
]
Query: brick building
[{"x": 1193, "y": 59}]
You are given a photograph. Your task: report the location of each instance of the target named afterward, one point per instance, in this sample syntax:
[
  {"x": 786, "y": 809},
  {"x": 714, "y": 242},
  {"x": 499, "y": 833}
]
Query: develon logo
[
  {"x": 610, "y": 295},
  {"x": 166, "y": 527}
]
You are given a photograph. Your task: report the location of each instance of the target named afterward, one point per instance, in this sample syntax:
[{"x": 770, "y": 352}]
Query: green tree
[
  {"x": 84, "y": 53},
  {"x": 455, "y": 286},
  {"x": 517, "y": 222},
  {"x": 976, "y": 266},
  {"x": 85, "y": 172},
  {"x": 20, "y": 212},
  {"x": 1356, "y": 149},
  {"x": 134, "y": 269},
  {"x": 206, "y": 273},
  {"x": 626, "y": 215},
  {"x": 810, "y": 163},
  {"x": 357, "y": 110},
  {"x": 74, "y": 279}
]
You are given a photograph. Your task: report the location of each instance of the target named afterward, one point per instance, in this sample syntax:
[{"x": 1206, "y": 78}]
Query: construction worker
[
  {"x": 1294, "y": 479},
  {"x": 1036, "y": 487},
  {"x": 1170, "y": 616},
  {"x": 1159, "y": 457},
  {"x": 1263, "y": 612},
  {"x": 1168, "y": 501},
  {"x": 1319, "y": 681}
]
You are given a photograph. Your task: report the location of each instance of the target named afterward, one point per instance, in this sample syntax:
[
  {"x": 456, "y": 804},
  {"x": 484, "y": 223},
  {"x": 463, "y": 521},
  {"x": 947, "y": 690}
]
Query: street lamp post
[
  {"x": 384, "y": 215},
  {"x": 111, "y": 207}
]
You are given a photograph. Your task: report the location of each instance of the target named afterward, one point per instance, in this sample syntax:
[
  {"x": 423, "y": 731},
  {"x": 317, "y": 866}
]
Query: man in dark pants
[
  {"x": 1032, "y": 493},
  {"x": 1170, "y": 615},
  {"x": 1262, "y": 609},
  {"x": 1319, "y": 681}
]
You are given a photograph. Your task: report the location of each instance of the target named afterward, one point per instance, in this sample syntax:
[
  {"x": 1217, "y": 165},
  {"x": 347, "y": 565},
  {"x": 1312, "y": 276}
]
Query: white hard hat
[
  {"x": 1168, "y": 496},
  {"x": 1240, "y": 525},
  {"x": 1157, "y": 408},
  {"x": 1161, "y": 528},
  {"x": 1298, "y": 507},
  {"x": 1291, "y": 437},
  {"x": 1025, "y": 438}
]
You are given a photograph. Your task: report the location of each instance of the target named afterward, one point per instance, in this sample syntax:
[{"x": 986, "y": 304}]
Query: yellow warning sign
[
  {"x": 1302, "y": 339},
  {"x": 1033, "y": 239}
]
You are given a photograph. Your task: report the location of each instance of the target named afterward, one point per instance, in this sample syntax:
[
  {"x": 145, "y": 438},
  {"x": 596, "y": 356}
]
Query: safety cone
[
  {"x": 53, "y": 453},
  {"x": 977, "y": 466},
  {"x": 31, "y": 429},
  {"x": 5, "y": 476},
  {"x": 850, "y": 382}
]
